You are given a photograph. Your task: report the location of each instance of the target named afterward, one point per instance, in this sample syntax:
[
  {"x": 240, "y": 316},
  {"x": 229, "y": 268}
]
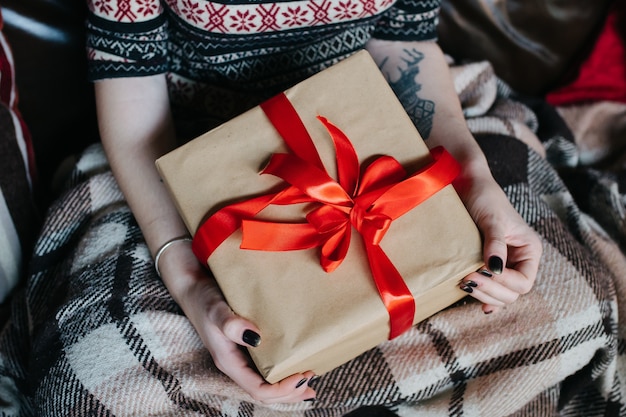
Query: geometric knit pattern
[
  {"x": 95, "y": 332},
  {"x": 222, "y": 57}
]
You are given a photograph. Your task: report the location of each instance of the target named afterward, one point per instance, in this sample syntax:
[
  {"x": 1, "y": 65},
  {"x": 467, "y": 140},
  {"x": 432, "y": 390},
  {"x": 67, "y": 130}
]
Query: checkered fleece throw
[{"x": 95, "y": 333}]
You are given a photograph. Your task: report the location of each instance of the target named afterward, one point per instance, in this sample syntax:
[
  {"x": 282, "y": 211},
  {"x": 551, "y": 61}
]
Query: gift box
[{"x": 322, "y": 269}]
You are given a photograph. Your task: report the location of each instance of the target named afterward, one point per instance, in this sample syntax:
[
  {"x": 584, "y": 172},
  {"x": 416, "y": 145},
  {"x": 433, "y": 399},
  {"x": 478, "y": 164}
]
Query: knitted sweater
[{"x": 222, "y": 57}]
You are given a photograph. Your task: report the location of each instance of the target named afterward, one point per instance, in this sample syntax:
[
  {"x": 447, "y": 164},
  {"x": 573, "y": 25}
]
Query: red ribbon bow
[{"x": 367, "y": 202}]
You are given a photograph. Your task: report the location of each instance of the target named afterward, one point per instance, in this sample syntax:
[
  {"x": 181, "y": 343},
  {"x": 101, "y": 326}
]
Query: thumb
[
  {"x": 494, "y": 248},
  {"x": 236, "y": 328},
  {"x": 494, "y": 255}
]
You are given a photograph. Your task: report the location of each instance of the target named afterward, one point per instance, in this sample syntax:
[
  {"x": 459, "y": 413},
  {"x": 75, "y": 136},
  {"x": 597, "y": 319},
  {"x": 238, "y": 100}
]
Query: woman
[{"x": 166, "y": 71}]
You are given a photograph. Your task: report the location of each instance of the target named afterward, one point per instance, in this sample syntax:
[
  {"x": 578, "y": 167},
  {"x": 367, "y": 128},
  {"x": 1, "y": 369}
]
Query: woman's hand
[
  {"x": 136, "y": 128},
  {"x": 223, "y": 332},
  {"x": 511, "y": 248}
]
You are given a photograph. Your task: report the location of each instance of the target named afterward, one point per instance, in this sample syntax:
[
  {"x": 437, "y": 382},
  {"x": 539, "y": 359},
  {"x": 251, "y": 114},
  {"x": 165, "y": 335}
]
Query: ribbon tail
[
  {"x": 270, "y": 236},
  {"x": 287, "y": 122},
  {"x": 222, "y": 224},
  {"x": 419, "y": 187},
  {"x": 218, "y": 227},
  {"x": 308, "y": 178},
  {"x": 346, "y": 157},
  {"x": 396, "y": 296}
]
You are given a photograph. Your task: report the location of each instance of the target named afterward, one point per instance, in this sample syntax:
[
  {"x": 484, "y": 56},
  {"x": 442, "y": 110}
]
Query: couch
[
  {"x": 53, "y": 102},
  {"x": 547, "y": 54}
]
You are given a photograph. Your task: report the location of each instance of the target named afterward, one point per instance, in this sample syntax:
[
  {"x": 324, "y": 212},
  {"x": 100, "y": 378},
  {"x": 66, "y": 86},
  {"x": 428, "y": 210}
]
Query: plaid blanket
[{"x": 95, "y": 333}]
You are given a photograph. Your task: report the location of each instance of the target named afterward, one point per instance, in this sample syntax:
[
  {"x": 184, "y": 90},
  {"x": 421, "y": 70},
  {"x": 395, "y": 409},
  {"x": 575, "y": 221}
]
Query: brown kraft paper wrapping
[{"x": 310, "y": 319}]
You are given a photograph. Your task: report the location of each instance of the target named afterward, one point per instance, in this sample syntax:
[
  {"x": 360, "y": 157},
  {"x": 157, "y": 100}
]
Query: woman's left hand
[{"x": 511, "y": 248}]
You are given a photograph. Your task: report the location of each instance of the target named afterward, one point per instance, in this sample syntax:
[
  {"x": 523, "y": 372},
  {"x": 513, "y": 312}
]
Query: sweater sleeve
[
  {"x": 410, "y": 20},
  {"x": 126, "y": 38}
]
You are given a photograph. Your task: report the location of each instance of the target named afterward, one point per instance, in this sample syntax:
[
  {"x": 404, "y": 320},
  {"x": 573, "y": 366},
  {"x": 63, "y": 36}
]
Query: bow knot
[
  {"x": 332, "y": 224},
  {"x": 372, "y": 227}
]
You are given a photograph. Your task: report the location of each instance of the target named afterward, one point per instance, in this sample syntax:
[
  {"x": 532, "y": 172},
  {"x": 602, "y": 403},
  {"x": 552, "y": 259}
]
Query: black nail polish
[
  {"x": 309, "y": 400},
  {"x": 488, "y": 311},
  {"x": 496, "y": 265},
  {"x": 251, "y": 338},
  {"x": 471, "y": 284},
  {"x": 301, "y": 382},
  {"x": 467, "y": 288},
  {"x": 484, "y": 272}
]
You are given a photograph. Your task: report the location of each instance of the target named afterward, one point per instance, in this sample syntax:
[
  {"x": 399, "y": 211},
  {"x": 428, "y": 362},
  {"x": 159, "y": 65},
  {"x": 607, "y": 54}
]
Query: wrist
[
  {"x": 186, "y": 278},
  {"x": 474, "y": 173},
  {"x": 167, "y": 246}
]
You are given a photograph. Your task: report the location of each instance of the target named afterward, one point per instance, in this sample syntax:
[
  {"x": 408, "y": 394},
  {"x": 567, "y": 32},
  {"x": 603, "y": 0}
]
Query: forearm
[
  {"x": 136, "y": 128},
  {"x": 420, "y": 76}
]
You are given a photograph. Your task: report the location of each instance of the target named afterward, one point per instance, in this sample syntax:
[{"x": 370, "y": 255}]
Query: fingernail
[
  {"x": 251, "y": 338},
  {"x": 471, "y": 283},
  {"x": 313, "y": 379},
  {"x": 310, "y": 400},
  {"x": 301, "y": 382},
  {"x": 488, "y": 311},
  {"x": 484, "y": 272},
  {"x": 496, "y": 265},
  {"x": 467, "y": 288}
]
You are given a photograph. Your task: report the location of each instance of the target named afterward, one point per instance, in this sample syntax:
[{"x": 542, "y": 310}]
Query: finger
[
  {"x": 524, "y": 259},
  {"x": 484, "y": 272},
  {"x": 234, "y": 363},
  {"x": 511, "y": 278},
  {"x": 488, "y": 291},
  {"x": 490, "y": 309},
  {"x": 294, "y": 388},
  {"x": 495, "y": 254},
  {"x": 494, "y": 247},
  {"x": 515, "y": 281},
  {"x": 519, "y": 255},
  {"x": 487, "y": 298},
  {"x": 232, "y": 360},
  {"x": 490, "y": 283},
  {"x": 301, "y": 391},
  {"x": 234, "y": 327}
]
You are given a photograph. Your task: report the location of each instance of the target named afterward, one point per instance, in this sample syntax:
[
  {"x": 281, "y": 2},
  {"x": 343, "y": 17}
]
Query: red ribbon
[{"x": 369, "y": 202}]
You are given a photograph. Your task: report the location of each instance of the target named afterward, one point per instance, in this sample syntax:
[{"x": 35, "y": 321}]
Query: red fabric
[
  {"x": 9, "y": 96},
  {"x": 19, "y": 217},
  {"x": 602, "y": 76}
]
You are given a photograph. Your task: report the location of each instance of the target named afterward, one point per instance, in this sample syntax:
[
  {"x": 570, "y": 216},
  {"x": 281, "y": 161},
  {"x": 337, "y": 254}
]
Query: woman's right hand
[
  {"x": 223, "y": 332},
  {"x": 136, "y": 128}
]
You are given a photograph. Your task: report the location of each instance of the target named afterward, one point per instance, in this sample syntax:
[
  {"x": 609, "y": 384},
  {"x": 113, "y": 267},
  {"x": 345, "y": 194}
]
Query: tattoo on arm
[{"x": 421, "y": 111}]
